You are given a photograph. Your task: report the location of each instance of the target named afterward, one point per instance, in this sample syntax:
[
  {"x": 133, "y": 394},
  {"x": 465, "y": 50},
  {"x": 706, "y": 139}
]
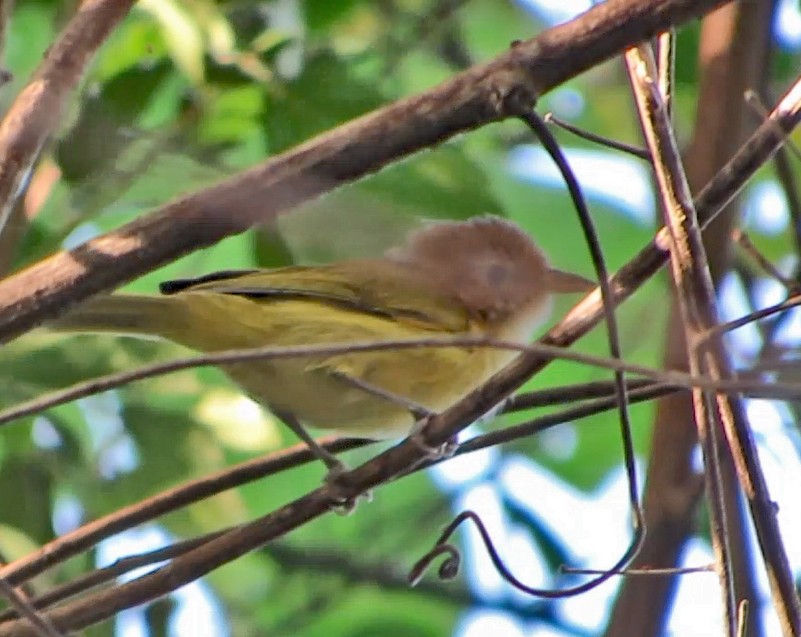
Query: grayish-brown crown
[{"x": 488, "y": 263}]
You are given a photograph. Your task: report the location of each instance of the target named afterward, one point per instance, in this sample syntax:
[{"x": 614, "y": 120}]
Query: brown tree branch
[
  {"x": 88, "y": 535},
  {"x": 699, "y": 312},
  {"x": 81, "y": 539},
  {"x": 685, "y": 234},
  {"x": 105, "y": 574},
  {"x": 38, "y": 109},
  {"x": 758, "y": 149},
  {"x": 169, "y": 500},
  {"x": 504, "y": 87},
  {"x": 733, "y": 39}
]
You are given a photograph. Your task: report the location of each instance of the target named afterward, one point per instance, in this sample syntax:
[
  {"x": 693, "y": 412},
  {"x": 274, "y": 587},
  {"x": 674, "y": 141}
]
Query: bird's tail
[{"x": 131, "y": 314}]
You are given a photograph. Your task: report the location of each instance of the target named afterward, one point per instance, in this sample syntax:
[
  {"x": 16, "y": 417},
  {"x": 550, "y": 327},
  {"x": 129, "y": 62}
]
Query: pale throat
[{"x": 519, "y": 327}]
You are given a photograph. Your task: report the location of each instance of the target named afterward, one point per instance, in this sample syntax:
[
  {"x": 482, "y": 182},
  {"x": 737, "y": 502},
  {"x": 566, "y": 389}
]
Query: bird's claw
[
  {"x": 440, "y": 452},
  {"x": 342, "y": 504}
]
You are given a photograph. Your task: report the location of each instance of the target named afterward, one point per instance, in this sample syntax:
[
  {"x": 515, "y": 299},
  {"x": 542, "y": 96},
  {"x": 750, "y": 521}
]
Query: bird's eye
[{"x": 497, "y": 274}]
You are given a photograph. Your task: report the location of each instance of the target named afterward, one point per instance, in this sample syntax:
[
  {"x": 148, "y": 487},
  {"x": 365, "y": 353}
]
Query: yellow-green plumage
[{"x": 408, "y": 294}]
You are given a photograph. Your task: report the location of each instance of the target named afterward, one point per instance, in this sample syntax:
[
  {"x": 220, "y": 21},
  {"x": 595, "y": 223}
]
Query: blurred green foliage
[{"x": 186, "y": 92}]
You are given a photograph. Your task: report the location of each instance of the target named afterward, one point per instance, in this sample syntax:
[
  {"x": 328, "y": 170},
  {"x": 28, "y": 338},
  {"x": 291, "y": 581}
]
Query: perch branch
[
  {"x": 506, "y": 86},
  {"x": 170, "y": 500}
]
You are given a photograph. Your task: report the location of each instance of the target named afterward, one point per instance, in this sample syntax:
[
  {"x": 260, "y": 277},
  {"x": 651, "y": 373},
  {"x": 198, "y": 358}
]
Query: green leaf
[
  {"x": 27, "y": 40},
  {"x": 443, "y": 184},
  {"x": 322, "y": 14},
  {"x": 182, "y": 34},
  {"x": 26, "y": 490},
  {"x": 324, "y": 95},
  {"x": 102, "y": 130}
]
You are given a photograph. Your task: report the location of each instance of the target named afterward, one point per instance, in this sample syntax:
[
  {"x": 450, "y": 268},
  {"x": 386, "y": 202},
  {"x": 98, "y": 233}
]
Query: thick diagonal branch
[{"x": 506, "y": 86}]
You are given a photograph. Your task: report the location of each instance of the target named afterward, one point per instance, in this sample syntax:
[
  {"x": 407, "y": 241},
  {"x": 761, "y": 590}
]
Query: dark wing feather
[
  {"x": 180, "y": 285},
  {"x": 383, "y": 289}
]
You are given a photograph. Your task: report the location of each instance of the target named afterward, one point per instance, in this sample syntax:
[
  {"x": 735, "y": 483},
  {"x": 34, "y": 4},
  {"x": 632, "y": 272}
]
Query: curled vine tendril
[{"x": 450, "y": 566}]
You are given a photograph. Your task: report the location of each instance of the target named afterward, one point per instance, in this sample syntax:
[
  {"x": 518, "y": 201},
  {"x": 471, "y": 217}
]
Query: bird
[{"x": 481, "y": 277}]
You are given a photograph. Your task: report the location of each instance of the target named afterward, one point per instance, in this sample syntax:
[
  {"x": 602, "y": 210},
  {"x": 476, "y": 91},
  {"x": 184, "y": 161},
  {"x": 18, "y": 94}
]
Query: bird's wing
[{"x": 381, "y": 289}]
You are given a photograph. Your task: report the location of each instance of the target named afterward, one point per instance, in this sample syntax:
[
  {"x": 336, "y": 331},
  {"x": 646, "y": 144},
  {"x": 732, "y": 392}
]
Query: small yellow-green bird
[{"x": 482, "y": 277}]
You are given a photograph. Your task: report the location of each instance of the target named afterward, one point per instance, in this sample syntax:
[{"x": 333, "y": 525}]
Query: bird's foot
[
  {"x": 440, "y": 452},
  {"x": 342, "y": 503}
]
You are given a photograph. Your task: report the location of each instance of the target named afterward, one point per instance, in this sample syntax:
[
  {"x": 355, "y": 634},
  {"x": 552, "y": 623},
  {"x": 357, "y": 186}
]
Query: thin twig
[
  {"x": 85, "y": 537},
  {"x": 648, "y": 572},
  {"x": 107, "y": 573},
  {"x": 666, "y": 68},
  {"x": 449, "y": 568},
  {"x": 754, "y": 101},
  {"x": 690, "y": 275},
  {"x": 756, "y": 315},
  {"x": 639, "y": 153},
  {"x": 41, "y": 624},
  {"x": 223, "y": 357},
  {"x": 590, "y": 408},
  {"x": 741, "y": 237},
  {"x": 88, "y": 535},
  {"x": 691, "y": 271},
  {"x": 567, "y": 394}
]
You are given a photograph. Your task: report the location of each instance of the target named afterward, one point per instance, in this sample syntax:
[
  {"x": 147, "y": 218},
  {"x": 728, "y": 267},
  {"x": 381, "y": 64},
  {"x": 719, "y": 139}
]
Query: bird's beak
[{"x": 561, "y": 282}]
